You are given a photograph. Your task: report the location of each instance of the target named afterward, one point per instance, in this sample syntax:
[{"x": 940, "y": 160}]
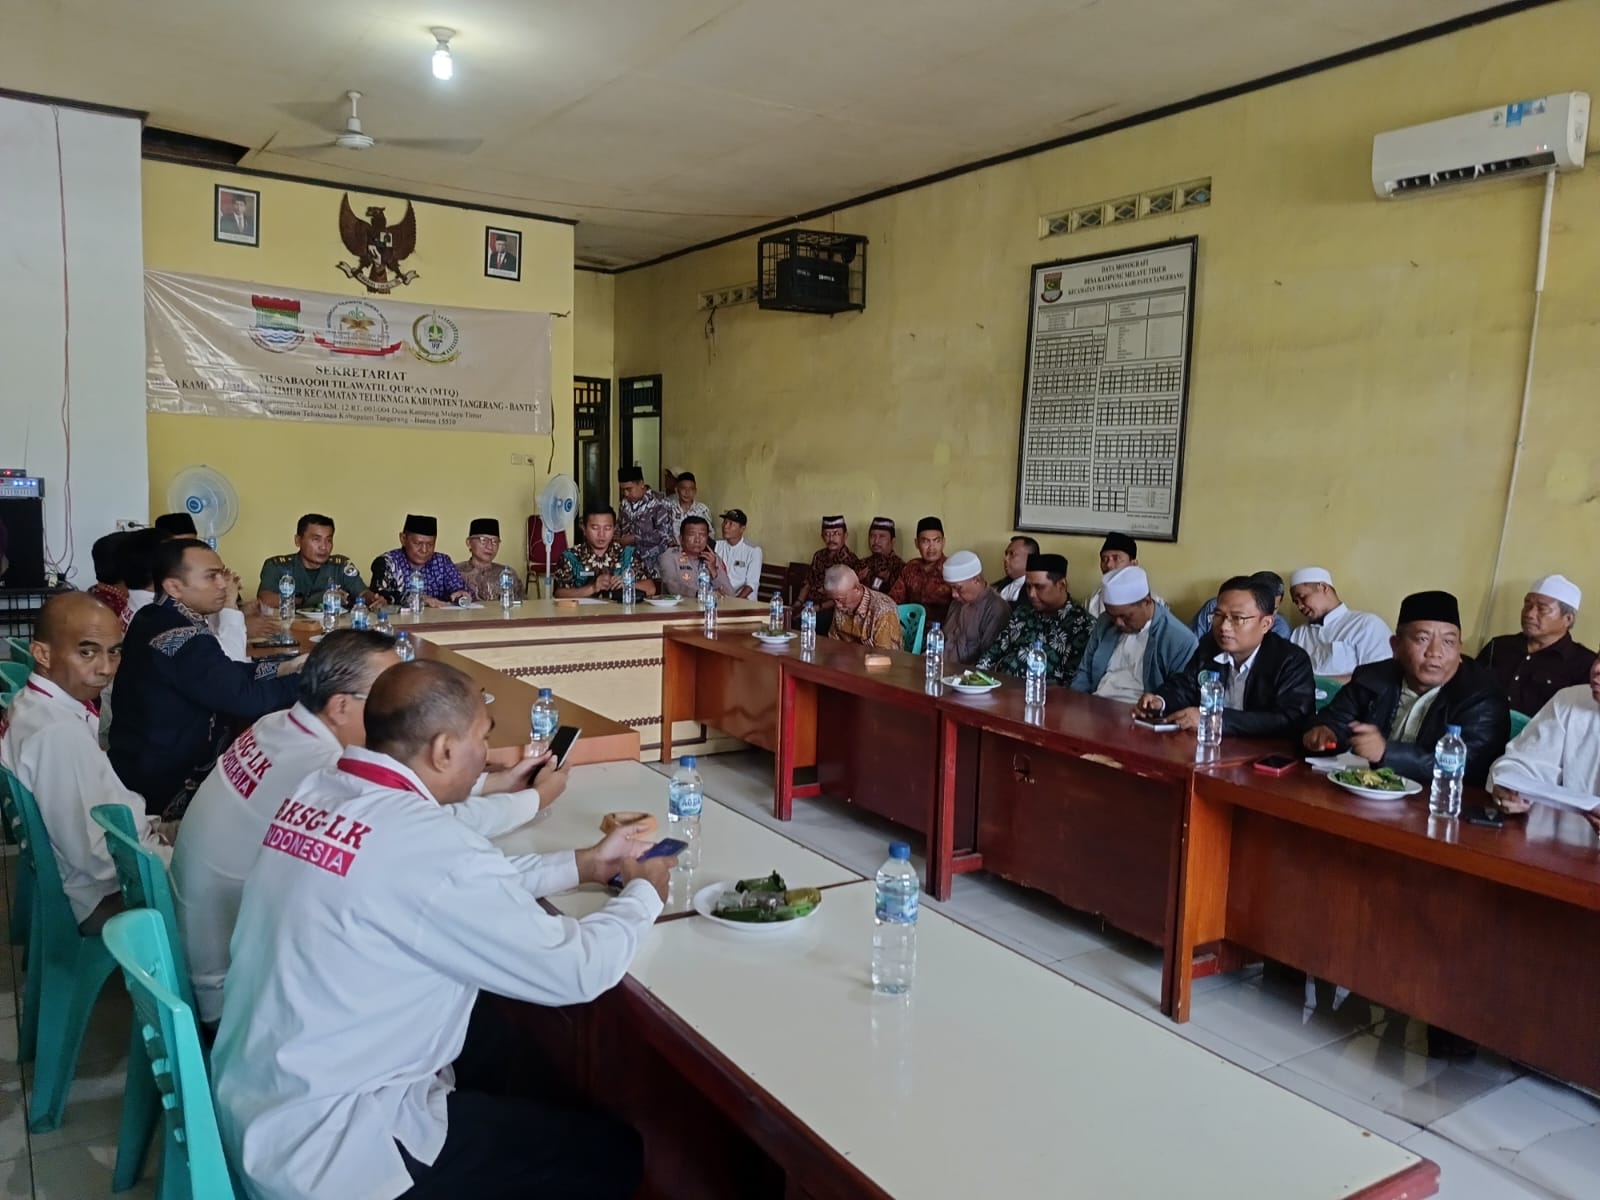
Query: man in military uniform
[
  {"x": 594, "y": 567},
  {"x": 479, "y": 569},
  {"x": 313, "y": 566},
  {"x": 881, "y": 567}
]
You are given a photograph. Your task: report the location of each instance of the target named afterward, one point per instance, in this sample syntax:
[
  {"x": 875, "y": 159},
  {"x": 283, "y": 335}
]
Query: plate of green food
[
  {"x": 972, "y": 683},
  {"x": 1376, "y": 783},
  {"x": 762, "y": 907}
]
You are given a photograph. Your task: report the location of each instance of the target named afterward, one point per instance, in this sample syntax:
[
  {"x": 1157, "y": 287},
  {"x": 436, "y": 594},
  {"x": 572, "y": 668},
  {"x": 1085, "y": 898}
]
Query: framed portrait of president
[
  {"x": 236, "y": 215},
  {"x": 502, "y": 253}
]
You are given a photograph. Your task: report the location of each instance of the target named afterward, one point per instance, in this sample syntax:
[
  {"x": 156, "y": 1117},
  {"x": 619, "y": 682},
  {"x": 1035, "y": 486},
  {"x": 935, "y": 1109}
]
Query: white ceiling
[{"x": 659, "y": 124}]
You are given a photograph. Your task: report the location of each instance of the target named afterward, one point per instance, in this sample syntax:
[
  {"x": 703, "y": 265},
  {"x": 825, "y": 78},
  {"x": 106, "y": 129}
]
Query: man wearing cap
[
  {"x": 1117, "y": 551},
  {"x": 740, "y": 558},
  {"x": 679, "y": 566},
  {"x": 1202, "y": 621},
  {"x": 1559, "y": 748},
  {"x": 882, "y": 567},
  {"x": 479, "y": 569},
  {"x": 977, "y": 614},
  {"x": 442, "y": 584},
  {"x": 1392, "y": 713},
  {"x": 1532, "y": 666},
  {"x": 834, "y": 552},
  {"x": 1050, "y": 616},
  {"x": 648, "y": 521},
  {"x": 1337, "y": 638},
  {"x": 312, "y": 567},
  {"x": 686, "y": 505},
  {"x": 1136, "y": 643},
  {"x": 1018, "y": 550},
  {"x": 921, "y": 580},
  {"x": 861, "y": 615}
]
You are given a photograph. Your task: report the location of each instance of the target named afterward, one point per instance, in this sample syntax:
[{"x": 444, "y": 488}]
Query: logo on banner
[
  {"x": 1052, "y": 288},
  {"x": 277, "y": 326},
  {"x": 435, "y": 338},
  {"x": 378, "y": 246},
  {"x": 357, "y": 327}
]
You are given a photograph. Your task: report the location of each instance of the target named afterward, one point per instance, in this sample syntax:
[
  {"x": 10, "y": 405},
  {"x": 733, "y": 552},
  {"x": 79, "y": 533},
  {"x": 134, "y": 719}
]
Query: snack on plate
[
  {"x": 977, "y": 679},
  {"x": 765, "y": 900},
  {"x": 1380, "y": 779},
  {"x": 614, "y": 820}
]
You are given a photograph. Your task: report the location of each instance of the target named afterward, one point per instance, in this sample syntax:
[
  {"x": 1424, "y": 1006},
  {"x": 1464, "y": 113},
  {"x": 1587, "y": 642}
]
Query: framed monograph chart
[{"x": 1105, "y": 392}]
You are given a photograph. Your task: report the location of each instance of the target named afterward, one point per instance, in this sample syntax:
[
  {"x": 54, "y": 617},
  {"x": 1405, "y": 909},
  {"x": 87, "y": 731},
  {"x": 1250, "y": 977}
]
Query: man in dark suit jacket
[
  {"x": 501, "y": 258},
  {"x": 1268, "y": 679},
  {"x": 1393, "y": 713}
]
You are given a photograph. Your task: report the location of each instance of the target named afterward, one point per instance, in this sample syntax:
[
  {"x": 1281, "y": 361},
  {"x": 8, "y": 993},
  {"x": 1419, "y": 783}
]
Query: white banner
[{"x": 224, "y": 348}]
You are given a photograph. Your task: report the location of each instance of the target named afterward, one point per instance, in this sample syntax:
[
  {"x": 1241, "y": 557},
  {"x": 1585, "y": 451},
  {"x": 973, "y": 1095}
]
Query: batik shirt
[
  {"x": 820, "y": 562},
  {"x": 591, "y": 563},
  {"x": 653, "y": 522},
  {"x": 392, "y": 571},
  {"x": 873, "y": 622},
  {"x": 879, "y": 571},
  {"x": 1065, "y": 634},
  {"x": 922, "y": 583},
  {"x": 697, "y": 509},
  {"x": 484, "y": 582}
]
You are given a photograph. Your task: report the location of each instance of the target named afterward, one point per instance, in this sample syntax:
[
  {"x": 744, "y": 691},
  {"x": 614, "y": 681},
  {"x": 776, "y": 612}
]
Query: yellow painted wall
[
  {"x": 366, "y": 477},
  {"x": 593, "y": 324},
  {"x": 1357, "y": 364}
]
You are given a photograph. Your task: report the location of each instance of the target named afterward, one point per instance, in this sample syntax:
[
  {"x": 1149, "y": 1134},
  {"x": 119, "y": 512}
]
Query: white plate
[
  {"x": 317, "y": 637},
  {"x": 663, "y": 601},
  {"x": 1412, "y": 788},
  {"x": 488, "y": 697},
  {"x": 772, "y": 639},
  {"x": 705, "y": 903},
  {"x": 968, "y": 689}
]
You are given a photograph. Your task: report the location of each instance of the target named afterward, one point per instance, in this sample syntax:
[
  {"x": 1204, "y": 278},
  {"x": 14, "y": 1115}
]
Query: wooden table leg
[
  {"x": 1202, "y": 897},
  {"x": 783, "y": 785},
  {"x": 677, "y": 690},
  {"x": 942, "y": 820}
]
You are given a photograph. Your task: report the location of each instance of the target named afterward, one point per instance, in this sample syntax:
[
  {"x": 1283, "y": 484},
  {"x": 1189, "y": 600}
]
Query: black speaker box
[{"x": 24, "y": 542}]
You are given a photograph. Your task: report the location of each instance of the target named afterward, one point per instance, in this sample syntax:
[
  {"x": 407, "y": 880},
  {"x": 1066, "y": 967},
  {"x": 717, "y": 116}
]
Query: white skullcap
[
  {"x": 1559, "y": 587},
  {"x": 963, "y": 564},
  {"x": 1311, "y": 575},
  {"x": 1129, "y": 585}
]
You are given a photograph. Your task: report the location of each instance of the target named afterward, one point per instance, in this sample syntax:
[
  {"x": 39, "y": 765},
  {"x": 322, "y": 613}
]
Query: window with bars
[{"x": 1157, "y": 202}]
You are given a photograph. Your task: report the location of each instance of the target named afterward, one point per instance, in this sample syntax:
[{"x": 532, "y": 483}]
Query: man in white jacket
[
  {"x": 50, "y": 741},
  {"x": 1559, "y": 747},
  {"x": 367, "y": 928},
  {"x": 220, "y": 836}
]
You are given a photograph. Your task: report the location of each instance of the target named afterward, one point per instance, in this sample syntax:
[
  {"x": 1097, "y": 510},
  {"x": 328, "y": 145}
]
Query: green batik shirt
[
  {"x": 1065, "y": 633},
  {"x": 309, "y": 585}
]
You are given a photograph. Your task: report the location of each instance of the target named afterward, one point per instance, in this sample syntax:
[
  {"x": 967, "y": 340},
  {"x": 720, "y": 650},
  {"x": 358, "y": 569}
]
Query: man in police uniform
[{"x": 313, "y": 566}]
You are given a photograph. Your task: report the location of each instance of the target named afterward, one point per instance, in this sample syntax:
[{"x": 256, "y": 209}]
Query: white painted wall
[{"x": 100, "y": 335}]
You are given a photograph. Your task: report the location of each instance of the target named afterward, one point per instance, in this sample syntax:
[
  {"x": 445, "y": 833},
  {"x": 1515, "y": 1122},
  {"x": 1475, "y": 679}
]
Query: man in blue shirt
[{"x": 442, "y": 584}]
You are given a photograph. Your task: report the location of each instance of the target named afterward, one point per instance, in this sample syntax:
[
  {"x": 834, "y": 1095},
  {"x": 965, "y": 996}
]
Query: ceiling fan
[{"x": 353, "y": 137}]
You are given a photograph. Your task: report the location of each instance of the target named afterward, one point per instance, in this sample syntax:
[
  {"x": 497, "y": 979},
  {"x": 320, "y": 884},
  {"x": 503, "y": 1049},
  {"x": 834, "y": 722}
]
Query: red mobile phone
[{"x": 1276, "y": 764}]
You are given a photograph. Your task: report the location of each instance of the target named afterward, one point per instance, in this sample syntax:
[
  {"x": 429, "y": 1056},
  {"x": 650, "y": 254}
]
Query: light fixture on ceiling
[{"x": 443, "y": 65}]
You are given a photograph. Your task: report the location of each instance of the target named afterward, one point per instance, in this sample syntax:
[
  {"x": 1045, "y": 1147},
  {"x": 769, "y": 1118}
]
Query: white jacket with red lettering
[{"x": 368, "y": 925}]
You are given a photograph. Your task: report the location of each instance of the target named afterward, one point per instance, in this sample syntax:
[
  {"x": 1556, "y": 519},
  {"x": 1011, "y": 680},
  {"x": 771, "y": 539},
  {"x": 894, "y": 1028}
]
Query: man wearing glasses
[
  {"x": 479, "y": 569},
  {"x": 1267, "y": 679},
  {"x": 220, "y": 836}
]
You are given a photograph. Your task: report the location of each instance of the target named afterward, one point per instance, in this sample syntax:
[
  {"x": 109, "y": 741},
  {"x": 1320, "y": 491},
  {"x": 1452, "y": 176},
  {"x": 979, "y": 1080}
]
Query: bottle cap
[
  {"x": 1453, "y": 730},
  {"x": 936, "y": 624},
  {"x": 544, "y": 693},
  {"x": 688, "y": 760},
  {"x": 899, "y": 850}
]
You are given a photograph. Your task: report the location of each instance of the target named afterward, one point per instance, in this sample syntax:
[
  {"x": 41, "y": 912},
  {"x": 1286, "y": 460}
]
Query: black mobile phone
[
  {"x": 1487, "y": 816},
  {"x": 561, "y": 745}
]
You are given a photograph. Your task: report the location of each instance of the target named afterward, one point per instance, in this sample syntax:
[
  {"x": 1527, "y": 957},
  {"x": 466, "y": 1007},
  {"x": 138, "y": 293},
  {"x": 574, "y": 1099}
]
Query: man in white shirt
[
  {"x": 1337, "y": 638},
  {"x": 1560, "y": 747},
  {"x": 50, "y": 741},
  {"x": 220, "y": 836},
  {"x": 742, "y": 559},
  {"x": 368, "y": 926},
  {"x": 1136, "y": 642},
  {"x": 685, "y": 505}
]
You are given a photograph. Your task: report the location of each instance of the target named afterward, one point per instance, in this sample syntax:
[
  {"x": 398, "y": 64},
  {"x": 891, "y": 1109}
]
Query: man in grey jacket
[{"x": 1136, "y": 642}]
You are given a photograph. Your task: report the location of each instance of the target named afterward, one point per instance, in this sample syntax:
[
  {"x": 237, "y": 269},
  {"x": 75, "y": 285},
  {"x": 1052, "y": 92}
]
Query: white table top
[
  {"x": 732, "y": 845},
  {"x": 995, "y": 1077}
]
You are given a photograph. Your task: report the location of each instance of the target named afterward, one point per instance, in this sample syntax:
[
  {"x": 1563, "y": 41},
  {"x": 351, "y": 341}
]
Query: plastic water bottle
[
  {"x": 360, "y": 618},
  {"x": 1035, "y": 667},
  {"x": 708, "y": 602},
  {"x": 894, "y": 928},
  {"x": 543, "y": 722},
  {"x": 685, "y": 799},
  {"x": 630, "y": 586},
  {"x": 933, "y": 655},
  {"x": 808, "y": 626},
  {"x": 1449, "y": 773},
  {"x": 383, "y": 625},
  {"x": 508, "y": 581},
  {"x": 1208, "y": 734},
  {"x": 703, "y": 584},
  {"x": 330, "y": 608},
  {"x": 414, "y": 590},
  {"x": 286, "y": 597},
  {"x": 405, "y": 649},
  {"x": 775, "y": 614}
]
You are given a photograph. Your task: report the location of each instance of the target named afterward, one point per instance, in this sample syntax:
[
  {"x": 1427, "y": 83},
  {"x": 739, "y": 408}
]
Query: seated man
[
  {"x": 594, "y": 567},
  {"x": 740, "y": 557},
  {"x": 136, "y": 558},
  {"x": 921, "y": 581},
  {"x": 1532, "y": 666},
  {"x": 1018, "y": 550},
  {"x": 685, "y": 504},
  {"x": 479, "y": 570},
  {"x": 1392, "y": 713},
  {"x": 1560, "y": 747},
  {"x": 678, "y": 568},
  {"x": 442, "y": 584},
  {"x": 368, "y": 925},
  {"x": 50, "y": 742},
  {"x": 860, "y": 614},
  {"x": 1268, "y": 680},
  {"x": 1049, "y": 614},
  {"x": 1272, "y": 580},
  {"x": 108, "y": 586},
  {"x": 313, "y": 566},
  {"x": 648, "y": 521},
  {"x": 1117, "y": 551},
  {"x": 177, "y": 690},
  {"x": 1337, "y": 638},
  {"x": 220, "y": 837},
  {"x": 882, "y": 566},
  {"x": 835, "y": 551},
  {"x": 977, "y": 615},
  {"x": 1136, "y": 643}
]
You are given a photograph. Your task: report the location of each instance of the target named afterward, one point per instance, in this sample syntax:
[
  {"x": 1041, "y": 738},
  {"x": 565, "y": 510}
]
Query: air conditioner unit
[{"x": 1529, "y": 137}]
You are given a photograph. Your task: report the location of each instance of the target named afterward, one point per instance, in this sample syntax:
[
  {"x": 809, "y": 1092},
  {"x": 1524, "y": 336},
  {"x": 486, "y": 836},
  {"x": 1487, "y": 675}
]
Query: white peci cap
[
  {"x": 1129, "y": 585},
  {"x": 961, "y": 565},
  {"x": 1559, "y": 587},
  {"x": 1311, "y": 575}
]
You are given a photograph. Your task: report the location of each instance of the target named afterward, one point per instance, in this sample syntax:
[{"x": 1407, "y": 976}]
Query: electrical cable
[{"x": 54, "y": 562}]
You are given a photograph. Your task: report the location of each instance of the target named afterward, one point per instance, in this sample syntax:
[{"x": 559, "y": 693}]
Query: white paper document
[
  {"x": 1546, "y": 793},
  {"x": 1338, "y": 762}
]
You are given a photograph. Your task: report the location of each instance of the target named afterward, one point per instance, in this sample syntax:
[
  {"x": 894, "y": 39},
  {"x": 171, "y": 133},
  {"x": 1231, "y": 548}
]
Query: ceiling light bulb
[{"x": 443, "y": 65}]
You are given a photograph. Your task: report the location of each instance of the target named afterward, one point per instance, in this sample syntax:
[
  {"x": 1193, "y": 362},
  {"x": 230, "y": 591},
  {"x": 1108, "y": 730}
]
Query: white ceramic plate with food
[
  {"x": 772, "y": 639},
  {"x": 705, "y": 903},
  {"x": 663, "y": 601},
  {"x": 1351, "y": 782},
  {"x": 967, "y": 685}
]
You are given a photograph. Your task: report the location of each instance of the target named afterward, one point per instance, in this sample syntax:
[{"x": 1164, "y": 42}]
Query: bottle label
[
  {"x": 684, "y": 803},
  {"x": 544, "y": 725},
  {"x": 897, "y": 909}
]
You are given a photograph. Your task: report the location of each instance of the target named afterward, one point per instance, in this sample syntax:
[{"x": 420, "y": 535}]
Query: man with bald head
[
  {"x": 50, "y": 742},
  {"x": 860, "y": 614},
  {"x": 368, "y": 926}
]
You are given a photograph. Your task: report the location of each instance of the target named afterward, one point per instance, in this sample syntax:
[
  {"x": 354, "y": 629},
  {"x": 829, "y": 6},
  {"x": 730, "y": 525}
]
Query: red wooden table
[{"x": 1483, "y": 932}]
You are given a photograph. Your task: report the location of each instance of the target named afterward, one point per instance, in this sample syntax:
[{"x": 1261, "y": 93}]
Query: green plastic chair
[
  {"x": 194, "y": 1166},
  {"x": 913, "y": 623},
  {"x": 20, "y": 652},
  {"x": 22, "y": 895},
  {"x": 13, "y": 675},
  {"x": 1519, "y": 722},
  {"x": 1327, "y": 689}
]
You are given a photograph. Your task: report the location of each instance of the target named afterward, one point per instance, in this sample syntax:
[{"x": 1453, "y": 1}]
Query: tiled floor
[{"x": 1496, "y": 1132}]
